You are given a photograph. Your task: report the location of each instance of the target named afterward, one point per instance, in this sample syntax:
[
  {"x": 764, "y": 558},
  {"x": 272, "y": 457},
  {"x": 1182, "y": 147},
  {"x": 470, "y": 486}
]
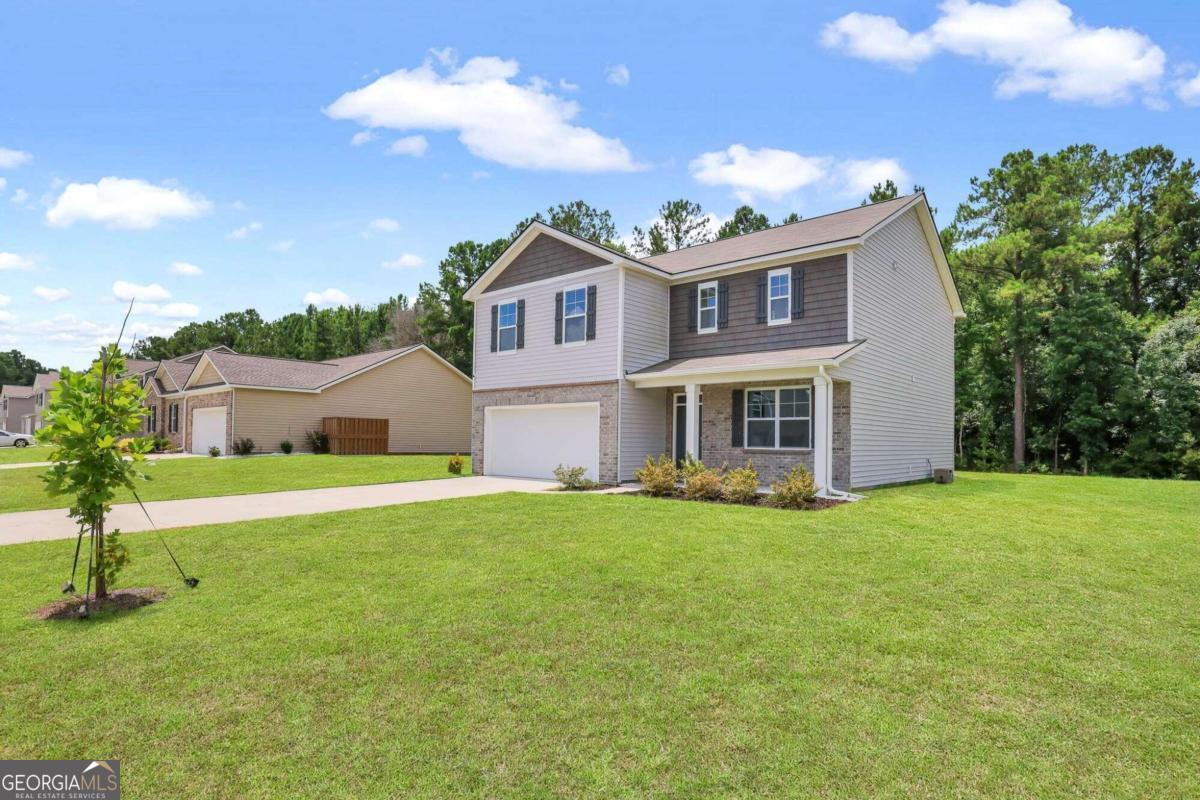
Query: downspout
[{"x": 826, "y": 480}]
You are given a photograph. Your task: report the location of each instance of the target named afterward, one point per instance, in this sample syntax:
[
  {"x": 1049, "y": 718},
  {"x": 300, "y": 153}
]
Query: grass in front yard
[
  {"x": 173, "y": 479},
  {"x": 1004, "y": 636},
  {"x": 21, "y": 455}
]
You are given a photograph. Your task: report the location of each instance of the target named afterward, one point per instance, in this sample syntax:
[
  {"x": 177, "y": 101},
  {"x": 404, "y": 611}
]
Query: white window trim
[
  {"x": 499, "y": 327},
  {"x": 776, "y": 389},
  {"x": 787, "y": 272},
  {"x": 563, "y": 332},
  {"x": 700, "y": 307},
  {"x": 681, "y": 400}
]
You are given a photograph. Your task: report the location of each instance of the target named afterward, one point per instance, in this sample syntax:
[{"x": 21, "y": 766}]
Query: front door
[{"x": 680, "y": 439}]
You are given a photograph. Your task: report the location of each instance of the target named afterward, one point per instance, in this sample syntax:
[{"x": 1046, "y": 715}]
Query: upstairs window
[
  {"x": 779, "y": 296},
  {"x": 707, "y": 310},
  {"x": 507, "y": 327},
  {"x": 575, "y": 315}
]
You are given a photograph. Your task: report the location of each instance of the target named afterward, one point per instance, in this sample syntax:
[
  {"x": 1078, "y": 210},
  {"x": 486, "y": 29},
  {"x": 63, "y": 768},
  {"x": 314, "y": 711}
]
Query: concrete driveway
[{"x": 30, "y": 526}]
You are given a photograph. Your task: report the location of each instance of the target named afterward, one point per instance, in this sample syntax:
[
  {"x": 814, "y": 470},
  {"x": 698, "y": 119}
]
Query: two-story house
[
  {"x": 43, "y": 384},
  {"x": 16, "y": 408},
  {"x": 827, "y": 342}
]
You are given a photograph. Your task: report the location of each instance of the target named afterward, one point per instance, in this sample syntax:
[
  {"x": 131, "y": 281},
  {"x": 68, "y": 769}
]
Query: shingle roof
[
  {"x": 136, "y": 366},
  {"x": 761, "y": 359},
  {"x": 285, "y": 373},
  {"x": 179, "y": 372},
  {"x": 827, "y": 229},
  {"x": 16, "y": 391}
]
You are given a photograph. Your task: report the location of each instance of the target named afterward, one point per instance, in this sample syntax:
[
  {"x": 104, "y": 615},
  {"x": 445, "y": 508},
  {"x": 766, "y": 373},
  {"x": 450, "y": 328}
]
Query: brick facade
[
  {"x": 716, "y": 434},
  {"x": 210, "y": 401},
  {"x": 603, "y": 393},
  {"x": 163, "y": 405}
]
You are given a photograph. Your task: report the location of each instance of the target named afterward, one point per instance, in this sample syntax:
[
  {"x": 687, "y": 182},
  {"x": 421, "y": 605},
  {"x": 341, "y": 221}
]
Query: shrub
[
  {"x": 455, "y": 466},
  {"x": 572, "y": 479},
  {"x": 214, "y": 451},
  {"x": 700, "y": 482},
  {"x": 740, "y": 485},
  {"x": 286, "y": 447},
  {"x": 317, "y": 441},
  {"x": 243, "y": 447},
  {"x": 658, "y": 478},
  {"x": 797, "y": 490}
]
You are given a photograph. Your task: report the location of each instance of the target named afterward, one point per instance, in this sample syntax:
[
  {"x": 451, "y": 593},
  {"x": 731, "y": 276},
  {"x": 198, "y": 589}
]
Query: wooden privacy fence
[{"x": 356, "y": 436}]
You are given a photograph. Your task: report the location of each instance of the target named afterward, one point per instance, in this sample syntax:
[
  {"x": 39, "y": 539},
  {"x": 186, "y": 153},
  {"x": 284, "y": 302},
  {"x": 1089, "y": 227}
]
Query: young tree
[
  {"x": 744, "y": 220},
  {"x": 89, "y": 423}
]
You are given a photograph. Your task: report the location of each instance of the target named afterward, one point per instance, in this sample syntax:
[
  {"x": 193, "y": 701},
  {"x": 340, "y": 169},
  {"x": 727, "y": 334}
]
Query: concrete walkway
[
  {"x": 30, "y": 526},
  {"x": 149, "y": 457}
]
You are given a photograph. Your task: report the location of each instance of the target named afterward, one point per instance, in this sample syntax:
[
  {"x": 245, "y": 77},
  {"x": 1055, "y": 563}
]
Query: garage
[
  {"x": 208, "y": 429},
  {"x": 530, "y": 441}
]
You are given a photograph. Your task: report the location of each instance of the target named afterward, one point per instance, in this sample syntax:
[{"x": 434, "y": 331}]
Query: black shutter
[
  {"x": 558, "y": 318},
  {"x": 520, "y": 324},
  {"x": 591, "y": 312},
  {"x": 723, "y": 304},
  {"x": 760, "y": 308},
  {"x": 495, "y": 321},
  {"x": 797, "y": 292},
  {"x": 693, "y": 299},
  {"x": 735, "y": 438}
]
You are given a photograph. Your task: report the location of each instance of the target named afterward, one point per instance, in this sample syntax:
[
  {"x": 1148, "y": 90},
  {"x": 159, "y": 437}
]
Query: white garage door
[
  {"x": 208, "y": 429},
  {"x": 530, "y": 441}
]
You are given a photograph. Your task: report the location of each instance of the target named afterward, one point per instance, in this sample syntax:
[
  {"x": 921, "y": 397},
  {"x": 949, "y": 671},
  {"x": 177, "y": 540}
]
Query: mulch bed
[
  {"x": 817, "y": 504},
  {"x": 117, "y": 600}
]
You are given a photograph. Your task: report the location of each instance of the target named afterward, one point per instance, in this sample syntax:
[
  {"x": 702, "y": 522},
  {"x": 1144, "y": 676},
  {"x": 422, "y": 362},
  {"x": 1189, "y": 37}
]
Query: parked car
[{"x": 15, "y": 439}]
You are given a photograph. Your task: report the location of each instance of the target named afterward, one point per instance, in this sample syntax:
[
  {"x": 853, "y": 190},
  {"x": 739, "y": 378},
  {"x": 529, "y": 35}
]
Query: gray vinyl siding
[
  {"x": 642, "y": 419},
  {"x": 824, "y": 320},
  {"x": 544, "y": 257},
  {"x": 541, "y": 362},
  {"x": 902, "y": 394}
]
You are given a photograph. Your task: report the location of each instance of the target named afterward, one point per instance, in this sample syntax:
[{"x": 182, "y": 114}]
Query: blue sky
[{"x": 137, "y": 136}]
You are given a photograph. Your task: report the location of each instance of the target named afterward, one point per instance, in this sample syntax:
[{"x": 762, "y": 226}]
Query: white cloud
[
  {"x": 617, "y": 75},
  {"x": 51, "y": 295},
  {"x": 1189, "y": 90},
  {"x": 245, "y": 230},
  {"x": 6, "y": 317},
  {"x": 124, "y": 203},
  {"x": 517, "y": 125},
  {"x": 186, "y": 269},
  {"x": 567, "y": 86},
  {"x": 362, "y": 137},
  {"x": 329, "y": 297},
  {"x": 1038, "y": 45},
  {"x": 282, "y": 246},
  {"x": 858, "y": 177},
  {"x": 19, "y": 196},
  {"x": 11, "y": 159},
  {"x": 405, "y": 261},
  {"x": 382, "y": 225},
  {"x": 87, "y": 334},
  {"x": 150, "y": 293},
  {"x": 409, "y": 146},
  {"x": 5, "y": 299},
  {"x": 168, "y": 310},
  {"x": 3, "y": 184},
  {"x": 767, "y": 171},
  {"x": 15, "y": 261}
]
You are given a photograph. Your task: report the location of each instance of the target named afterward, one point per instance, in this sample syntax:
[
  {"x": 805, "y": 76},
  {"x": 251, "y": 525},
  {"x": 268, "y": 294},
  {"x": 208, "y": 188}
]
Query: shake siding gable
[
  {"x": 902, "y": 383},
  {"x": 428, "y": 408},
  {"x": 544, "y": 257},
  {"x": 541, "y": 362},
  {"x": 642, "y": 419}
]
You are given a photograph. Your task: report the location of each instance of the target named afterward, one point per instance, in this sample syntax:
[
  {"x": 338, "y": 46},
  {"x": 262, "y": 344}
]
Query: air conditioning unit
[{"x": 943, "y": 476}]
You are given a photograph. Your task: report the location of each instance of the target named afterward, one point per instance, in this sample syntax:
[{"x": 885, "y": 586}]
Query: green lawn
[
  {"x": 1000, "y": 637},
  {"x": 173, "y": 479},
  {"x": 20, "y": 455}
]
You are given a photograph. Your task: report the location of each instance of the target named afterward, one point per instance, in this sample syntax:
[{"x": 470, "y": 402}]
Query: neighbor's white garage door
[
  {"x": 208, "y": 429},
  {"x": 530, "y": 441}
]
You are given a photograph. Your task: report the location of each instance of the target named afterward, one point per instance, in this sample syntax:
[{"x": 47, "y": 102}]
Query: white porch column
[
  {"x": 822, "y": 411},
  {"x": 692, "y": 419}
]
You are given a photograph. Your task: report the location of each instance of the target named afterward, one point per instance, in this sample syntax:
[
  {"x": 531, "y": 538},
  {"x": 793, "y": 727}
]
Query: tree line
[{"x": 1079, "y": 272}]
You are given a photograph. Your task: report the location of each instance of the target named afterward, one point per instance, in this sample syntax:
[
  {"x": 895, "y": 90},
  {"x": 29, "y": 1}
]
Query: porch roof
[{"x": 734, "y": 366}]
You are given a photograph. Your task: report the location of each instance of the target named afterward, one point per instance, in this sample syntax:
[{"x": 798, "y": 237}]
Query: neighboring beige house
[
  {"x": 16, "y": 408},
  {"x": 43, "y": 384},
  {"x": 216, "y": 397},
  {"x": 827, "y": 343}
]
